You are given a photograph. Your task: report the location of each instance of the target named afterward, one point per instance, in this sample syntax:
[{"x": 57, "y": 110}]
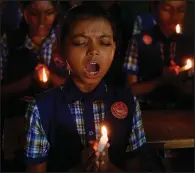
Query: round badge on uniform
[
  {"x": 119, "y": 110},
  {"x": 147, "y": 39}
]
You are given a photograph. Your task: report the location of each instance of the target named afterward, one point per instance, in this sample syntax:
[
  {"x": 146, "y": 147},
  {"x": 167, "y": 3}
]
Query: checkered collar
[{"x": 50, "y": 39}]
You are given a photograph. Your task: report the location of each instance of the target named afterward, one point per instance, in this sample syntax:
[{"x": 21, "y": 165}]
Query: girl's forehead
[
  {"x": 177, "y": 3},
  {"x": 41, "y": 5},
  {"x": 92, "y": 26}
]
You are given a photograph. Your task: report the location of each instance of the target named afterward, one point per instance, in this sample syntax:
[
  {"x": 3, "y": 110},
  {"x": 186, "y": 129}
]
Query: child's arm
[
  {"x": 137, "y": 141},
  {"x": 36, "y": 146},
  {"x": 132, "y": 68},
  {"x": 142, "y": 87}
]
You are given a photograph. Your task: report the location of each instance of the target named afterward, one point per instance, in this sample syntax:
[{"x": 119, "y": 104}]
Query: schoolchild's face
[
  {"x": 89, "y": 50},
  {"x": 171, "y": 13},
  {"x": 40, "y": 16}
]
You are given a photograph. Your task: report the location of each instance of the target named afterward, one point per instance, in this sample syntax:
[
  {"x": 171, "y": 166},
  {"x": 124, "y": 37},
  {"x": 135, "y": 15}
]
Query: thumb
[
  {"x": 172, "y": 63},
  {"x": 93, "y": 144}
]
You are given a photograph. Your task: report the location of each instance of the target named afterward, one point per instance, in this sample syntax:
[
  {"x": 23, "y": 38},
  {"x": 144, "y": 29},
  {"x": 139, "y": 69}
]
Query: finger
[
  {"x": 102, "y": 162},
  {"x": 107, "y": 145},
  {"x": 90, "y": 163},
  {"x": 37, "y": 67},
  {"x": 91, "y": 142},
  {"x": 103, "y": 153},
  {"x": 172, "y": 63},
  {"x": 97, "y": 163},
  {"x": 102, "y": 166},
  {"x": 178, "y": 67},
  {"x": 177, "y": 71},
  {"x": 95, "y": 146},
  {"x": 97, "y": 154},
  {"x": 97, "y": 166}
]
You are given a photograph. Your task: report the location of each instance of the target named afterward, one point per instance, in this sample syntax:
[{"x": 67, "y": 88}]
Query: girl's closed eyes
[
  {"x": 80, "y": 42},
  {"x": 84, "y": 42}
]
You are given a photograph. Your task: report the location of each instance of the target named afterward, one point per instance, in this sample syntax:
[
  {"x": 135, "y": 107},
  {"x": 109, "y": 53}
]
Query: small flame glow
[
  {"x": 104, "y": 131},
  {"x": 44, "y": 75},
  {"x": 188, "y": 64},
  {"x": 178, "y": 29}
]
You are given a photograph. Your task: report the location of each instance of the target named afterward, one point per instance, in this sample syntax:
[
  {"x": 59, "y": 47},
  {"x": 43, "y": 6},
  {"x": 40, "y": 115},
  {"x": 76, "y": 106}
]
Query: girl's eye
[
  {"x": 106, "y": 44},
  {"x": 79, "y": 43},
  {"x": 50, "y": 12}
]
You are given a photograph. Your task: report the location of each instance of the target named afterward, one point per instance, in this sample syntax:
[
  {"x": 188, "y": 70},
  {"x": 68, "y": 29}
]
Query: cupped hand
[
  {"x": 39, "y": 72},
  {"x": 93, "y": 160}
]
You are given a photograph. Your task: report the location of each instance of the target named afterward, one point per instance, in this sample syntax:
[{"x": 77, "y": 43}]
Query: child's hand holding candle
[
  {"x": 187, "y": 66},
  {"x": 101, "y": 151},
  {"x": 103, "y": 140},
  {"x": 42, "y": 73},
  {"x": 98, "y": 159}
]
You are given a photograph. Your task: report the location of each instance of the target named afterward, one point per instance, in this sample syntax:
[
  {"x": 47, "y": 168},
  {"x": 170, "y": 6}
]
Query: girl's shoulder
[{"x": 15, "y": 39}]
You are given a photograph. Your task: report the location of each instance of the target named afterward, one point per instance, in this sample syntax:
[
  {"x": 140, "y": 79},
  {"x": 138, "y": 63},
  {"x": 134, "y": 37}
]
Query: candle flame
[
  {"x": 178, "y": 29},
  {"x": 188, "y": 64},
  {"x": 44, "y": 75},
  {"x": 104, "y": 131}
]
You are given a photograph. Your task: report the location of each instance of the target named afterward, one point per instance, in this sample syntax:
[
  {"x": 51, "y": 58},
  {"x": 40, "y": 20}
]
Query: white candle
[
  {"x": 44, "y": 75},
  {"x": 187, "y": 66},
  {"x": 103, "y": 140},
  {"x": 178, "y": 29}
]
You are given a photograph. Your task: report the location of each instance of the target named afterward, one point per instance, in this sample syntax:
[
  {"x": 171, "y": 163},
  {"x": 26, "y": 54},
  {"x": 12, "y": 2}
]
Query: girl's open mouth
[{"x": 92, "y": 69}]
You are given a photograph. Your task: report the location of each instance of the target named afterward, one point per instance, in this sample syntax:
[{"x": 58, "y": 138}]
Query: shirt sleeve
[
  {"x": 131, "y": 58},
  {"x": 3, "y": 55},
  {"x": 137, "y": 136},
  {"x": 137, "y": 26},
  {"x": 36, "y": 146}
]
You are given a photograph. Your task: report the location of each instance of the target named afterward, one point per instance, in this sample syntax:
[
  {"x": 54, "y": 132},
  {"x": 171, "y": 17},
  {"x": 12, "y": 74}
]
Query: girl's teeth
[{"x": 93, "y": 73}]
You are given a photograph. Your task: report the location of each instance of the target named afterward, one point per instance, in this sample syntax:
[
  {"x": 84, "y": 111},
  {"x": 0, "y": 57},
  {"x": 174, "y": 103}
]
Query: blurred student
[
  {"x": 24, "y": 54},
  {"x": 152, "y": 60}
]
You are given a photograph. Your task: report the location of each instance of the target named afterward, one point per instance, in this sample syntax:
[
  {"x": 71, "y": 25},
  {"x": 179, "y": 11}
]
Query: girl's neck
[
  {"x": 165, "y": 32},
  {"x": 85, "y": 88},
  {"x": 37, "y": 41}
]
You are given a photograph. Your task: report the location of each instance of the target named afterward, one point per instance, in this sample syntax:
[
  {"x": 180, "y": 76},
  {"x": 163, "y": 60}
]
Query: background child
[
  {"x": 153, "y": 56},
  {"x": 24, "y": 53}
]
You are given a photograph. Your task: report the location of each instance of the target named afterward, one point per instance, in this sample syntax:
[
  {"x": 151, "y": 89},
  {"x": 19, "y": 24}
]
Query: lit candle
[
  {"x": 44, "y": 75},
  {"x": 103, "y": 140},
  {"x": 178, "y": 29},
  {"x": 187, "y": 66}
]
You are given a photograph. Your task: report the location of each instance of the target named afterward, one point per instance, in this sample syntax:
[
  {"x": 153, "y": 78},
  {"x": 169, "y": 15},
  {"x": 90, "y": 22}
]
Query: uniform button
[{"x": 90, "y": 133}]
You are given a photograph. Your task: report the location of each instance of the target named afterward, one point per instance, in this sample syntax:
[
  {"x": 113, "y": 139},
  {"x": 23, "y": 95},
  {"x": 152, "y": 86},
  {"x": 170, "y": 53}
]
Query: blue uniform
[
  {"x": 20, "y": 60},
  {"x": 62, "y": 121},
  {"x": 148, "y": 53}
]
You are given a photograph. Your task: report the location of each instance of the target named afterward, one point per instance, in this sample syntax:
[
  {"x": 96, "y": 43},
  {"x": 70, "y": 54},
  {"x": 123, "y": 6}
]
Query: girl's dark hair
[
  {"x": 17, "y": 38},
  {"x": 84, "y": 11}
]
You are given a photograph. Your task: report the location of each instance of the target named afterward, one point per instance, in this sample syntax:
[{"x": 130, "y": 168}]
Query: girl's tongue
[{"x": 92, "y": 68}]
